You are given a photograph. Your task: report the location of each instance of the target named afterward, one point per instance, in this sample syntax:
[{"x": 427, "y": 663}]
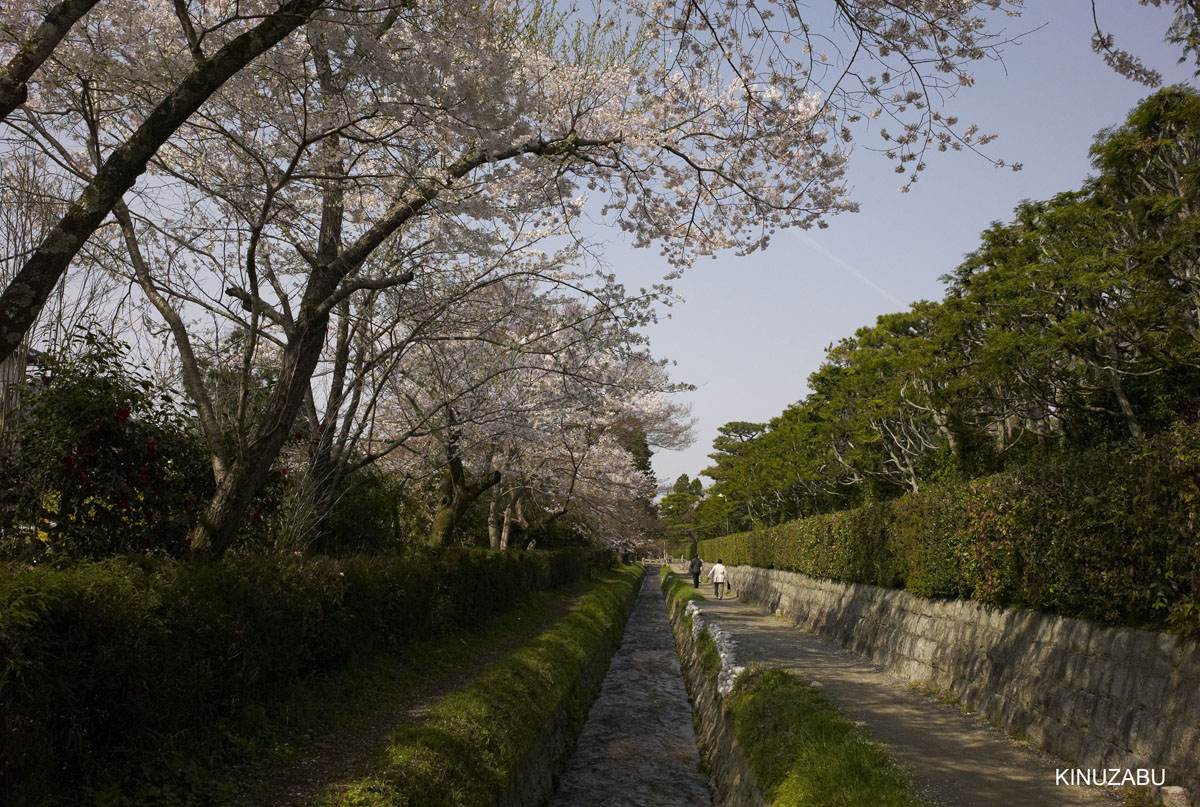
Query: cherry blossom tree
[{"x": 322, "y": 155}]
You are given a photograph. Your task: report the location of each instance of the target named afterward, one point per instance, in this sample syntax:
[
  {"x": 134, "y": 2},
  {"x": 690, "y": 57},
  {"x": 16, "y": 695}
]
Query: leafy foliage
[
  {"x": 467, "y": 747},
  {"x": 1108, "y": 533},
  {"x": 98, "y": 659},
  {"x": 1065, "y": 354},
  {"x": 104, "y": 461}
]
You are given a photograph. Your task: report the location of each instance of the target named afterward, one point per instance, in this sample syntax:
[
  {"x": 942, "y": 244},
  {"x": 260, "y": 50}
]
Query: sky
[{"x": 753, "y": 328}]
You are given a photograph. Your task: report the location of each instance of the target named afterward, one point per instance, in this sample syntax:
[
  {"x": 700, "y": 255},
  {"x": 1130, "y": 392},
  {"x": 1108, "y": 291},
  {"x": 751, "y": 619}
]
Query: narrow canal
[{"x": 638, "y": 747}]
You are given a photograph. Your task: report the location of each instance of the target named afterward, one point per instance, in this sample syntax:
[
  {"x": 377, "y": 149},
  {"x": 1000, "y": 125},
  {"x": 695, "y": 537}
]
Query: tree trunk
[
  {"x": 506, "y": 531},
  {"x": 217, "y": 528},
  {"x": 36, "y": 50},
  {"x": 458, "y": 493},
  {"x": 25, "y": 296},
  {"x": 1131, "y": 421},
  {"x": 495, "y": 520}
]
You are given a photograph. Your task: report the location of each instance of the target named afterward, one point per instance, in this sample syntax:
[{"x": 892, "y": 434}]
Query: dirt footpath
[{"x": 956, "y": 760}]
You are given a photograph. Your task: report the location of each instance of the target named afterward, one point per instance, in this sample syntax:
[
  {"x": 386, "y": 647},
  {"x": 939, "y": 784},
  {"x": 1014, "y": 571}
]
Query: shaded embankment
[{"x": 500, "y": 740}]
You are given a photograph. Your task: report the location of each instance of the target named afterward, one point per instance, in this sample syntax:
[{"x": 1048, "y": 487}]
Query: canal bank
[{"x": 638, "y": 747}]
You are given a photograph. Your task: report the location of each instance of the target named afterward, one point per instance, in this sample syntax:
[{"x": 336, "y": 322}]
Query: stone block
[
  {"x": 1100, "y": 642},
  {"x": 1098, "y": 674},
  {"x": 1077, "y": 670},
  {"x": 1189, "y": 659},
  {"x": 1083, "y": 709},
  {"x": 1079, "y": 635},
  {"x": 1037, "y": 729},
  {"x": 1091, "y": 753},
  {"x": 1143, "y": 647},
  {"x": 1148, "y": 691},
  {"x": 1175, "y": 796},
  {"x": 1121, "y": 687},
  {"x": 1106, "y": 719},
  {"x": 1069, "y": 745},
  {"x": 1170, "y": 648},
  {"x": 1183, "y": 749},
  {"x": 1192, "y": 714},
  {"x": 1145, "y": 738}
]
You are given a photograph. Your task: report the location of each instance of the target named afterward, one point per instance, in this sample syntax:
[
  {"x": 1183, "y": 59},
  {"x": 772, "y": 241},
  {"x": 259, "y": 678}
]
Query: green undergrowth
[
  {"x": 105, "y": 666},
  {"x": 678, "y": 591},
  {"x": 233, "y": 762},
  {"x": 465, "y": 748},
  {"x": 803, "y": 752}
]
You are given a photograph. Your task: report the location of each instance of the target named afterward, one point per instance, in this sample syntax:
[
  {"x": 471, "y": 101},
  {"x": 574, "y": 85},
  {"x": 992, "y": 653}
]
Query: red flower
[
  {"x": 151, "y": 444},
  {"x": 299, "y": 436},
  {"x": 85, "y": 480},
  {"x": 256, "y": 515},
  {"x": 122, "y": 415},
  {"x": 45, "y": 380},
  {"x": 283, "y": 471}
]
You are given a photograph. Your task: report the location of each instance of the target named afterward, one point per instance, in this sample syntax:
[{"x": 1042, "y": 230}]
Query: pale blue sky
[{"x": 752, "y": 329}]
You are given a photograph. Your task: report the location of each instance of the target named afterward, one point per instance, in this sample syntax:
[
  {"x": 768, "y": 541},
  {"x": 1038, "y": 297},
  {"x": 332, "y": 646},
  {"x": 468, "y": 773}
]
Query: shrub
[
  {"x": 98, "y": 658},
  {"x": 1109, "y": 534},
  {"x": 466, "y": 748},
  {"x": 104, "y": 462}
]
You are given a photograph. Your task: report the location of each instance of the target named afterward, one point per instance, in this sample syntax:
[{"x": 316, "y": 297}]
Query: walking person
[
  {"x": 718, "y": 576},
  {"x": 695, "y": 567}
]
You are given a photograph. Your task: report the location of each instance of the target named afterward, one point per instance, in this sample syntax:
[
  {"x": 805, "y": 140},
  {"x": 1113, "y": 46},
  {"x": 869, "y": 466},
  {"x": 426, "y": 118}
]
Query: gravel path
[
  {"x": 638, "y": 748},
  {"x": 956, "y": 759}
]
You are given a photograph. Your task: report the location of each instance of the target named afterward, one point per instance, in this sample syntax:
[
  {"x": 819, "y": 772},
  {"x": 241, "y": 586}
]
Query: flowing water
[{"x": 638, "y": 747}]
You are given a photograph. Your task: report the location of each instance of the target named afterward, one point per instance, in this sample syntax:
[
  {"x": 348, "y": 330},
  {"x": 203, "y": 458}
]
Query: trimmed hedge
[
  {"x": 98, "y": 659},
  {"x": 467, "y": 749},
  {"x": 1109, "y": 534}
]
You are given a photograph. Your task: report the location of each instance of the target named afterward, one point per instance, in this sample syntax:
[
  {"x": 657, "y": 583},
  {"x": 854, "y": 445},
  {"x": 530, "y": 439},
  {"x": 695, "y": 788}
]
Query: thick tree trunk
[
  {"x": 506, "y": 530},
  {"x": 217, "y": 528},
  {"x": 1131, "y": 421},
  {"x": 458, "y": 493},
  {"x": 25, "y": 296}
]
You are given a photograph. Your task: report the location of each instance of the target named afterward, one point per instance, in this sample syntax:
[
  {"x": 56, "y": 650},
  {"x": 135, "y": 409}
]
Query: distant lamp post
[{"x": 725, "y": 507}]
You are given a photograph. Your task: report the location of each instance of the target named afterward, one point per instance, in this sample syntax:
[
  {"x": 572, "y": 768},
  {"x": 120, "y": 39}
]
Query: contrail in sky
[{"x": 811, "y": 242}]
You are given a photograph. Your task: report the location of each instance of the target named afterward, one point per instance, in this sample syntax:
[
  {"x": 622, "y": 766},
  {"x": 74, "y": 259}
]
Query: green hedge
[
  {"x": 465, "y": 750},
  {"x": 98, "y": 659},
  {"x": 1110, "y": 534}
]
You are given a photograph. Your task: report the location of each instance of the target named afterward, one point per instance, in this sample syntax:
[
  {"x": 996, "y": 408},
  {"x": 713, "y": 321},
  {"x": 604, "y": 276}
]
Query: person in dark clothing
[{"x": 695, "y": 567}]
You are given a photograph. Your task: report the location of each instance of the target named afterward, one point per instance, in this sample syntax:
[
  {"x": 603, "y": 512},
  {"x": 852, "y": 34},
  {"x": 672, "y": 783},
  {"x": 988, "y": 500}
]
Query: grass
[
  {"x": 236, "y": 760},
  {"x": 464, "y": 749},
  {"x": 804, "y": 752},
  {"x": 678, "y": 591}
]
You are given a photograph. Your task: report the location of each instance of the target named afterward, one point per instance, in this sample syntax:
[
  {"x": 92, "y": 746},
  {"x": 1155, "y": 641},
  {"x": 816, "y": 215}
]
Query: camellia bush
[
  {"x": 102, "y": 461},
  {"x": 1109, "y": 534}
]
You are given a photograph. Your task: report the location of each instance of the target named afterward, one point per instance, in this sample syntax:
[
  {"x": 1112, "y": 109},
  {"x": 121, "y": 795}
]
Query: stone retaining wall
[
  {"x": 1093, "y": 695},
  {"x": 733, "y": 782}
]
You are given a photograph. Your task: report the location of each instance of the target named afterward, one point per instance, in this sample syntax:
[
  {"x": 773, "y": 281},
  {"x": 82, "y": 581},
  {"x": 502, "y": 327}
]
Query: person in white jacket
[{"x": 719, "y": 578}]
